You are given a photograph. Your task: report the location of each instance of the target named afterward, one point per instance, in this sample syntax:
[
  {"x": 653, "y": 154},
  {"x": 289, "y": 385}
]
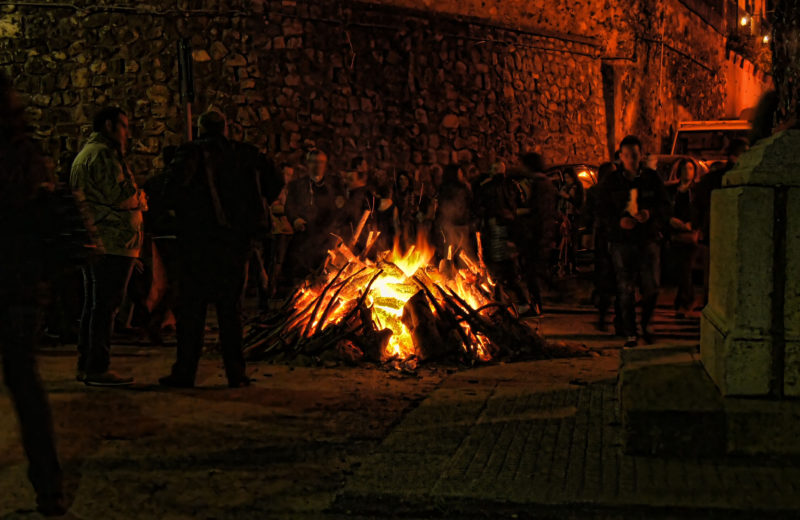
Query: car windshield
[{"x": 706, "y": 144}]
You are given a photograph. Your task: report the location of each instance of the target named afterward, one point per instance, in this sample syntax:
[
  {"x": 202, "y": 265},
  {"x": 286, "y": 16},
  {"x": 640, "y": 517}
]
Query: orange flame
[{"x": 392, "y": 289}]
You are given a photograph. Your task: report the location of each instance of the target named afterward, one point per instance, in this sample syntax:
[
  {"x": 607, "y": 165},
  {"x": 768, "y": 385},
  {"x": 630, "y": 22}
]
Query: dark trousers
[
  {"x": 17, "y": 331},
  {"x": 210, "y": 274},
  {"x": 105, "y": 281},
  {"x": 684, "y": 262},
  {"x": 632, "y": 263}
]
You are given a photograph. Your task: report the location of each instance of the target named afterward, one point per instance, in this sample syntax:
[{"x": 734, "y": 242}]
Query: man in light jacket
[{"x": 112, "y": 206}]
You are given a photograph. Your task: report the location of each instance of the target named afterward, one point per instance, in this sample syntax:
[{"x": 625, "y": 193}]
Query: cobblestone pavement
[
  {"x": 544, "y": 439},
  {"x": 537, "y": 438}
]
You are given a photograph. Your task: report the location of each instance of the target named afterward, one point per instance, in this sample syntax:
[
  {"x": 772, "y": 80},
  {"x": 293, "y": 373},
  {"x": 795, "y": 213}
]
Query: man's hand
[
  {"x": 299, "y": 224},
  {"x": 627, "y": 223},
  {"x": 643, "y": 216},
  {"x": 680, "y": 225},
  {"x": 143, "y": 200}
]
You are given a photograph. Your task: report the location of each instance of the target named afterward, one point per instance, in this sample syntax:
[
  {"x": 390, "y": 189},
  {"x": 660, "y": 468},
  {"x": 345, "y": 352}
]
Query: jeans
[
  {"x": 105, "y": 281},
  {"x": 632, "y": 263},
  {"x": 684, "y": 255}
]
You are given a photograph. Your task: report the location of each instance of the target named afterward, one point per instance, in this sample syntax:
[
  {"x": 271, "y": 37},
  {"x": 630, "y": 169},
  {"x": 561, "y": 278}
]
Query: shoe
[
  {"x": 648, "y": 337},
  {"x": 632, "y": 341},
  {"x": 239, "y": 383},
  {"x": 80, "y": 375},
  {"x": 535, "y": 311},
  {"x": 174, "y": 381},
  {"x": 107, "y": 378},
  {"x": 51, "y": 505}
]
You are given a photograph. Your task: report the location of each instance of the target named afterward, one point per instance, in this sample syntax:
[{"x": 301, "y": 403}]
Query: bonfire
[{"x": 400, "y": 308}]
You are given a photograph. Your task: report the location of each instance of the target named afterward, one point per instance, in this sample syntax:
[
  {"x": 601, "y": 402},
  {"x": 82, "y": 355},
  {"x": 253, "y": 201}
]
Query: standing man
[
  {"x": 496, "y": 200},
  {"x": 112, "y": 206},
  {"x": 214, "y": 187},
  {"x": 313, "y": 204},
  {"x": 634, "y": 209},
  {"x": 536, "y": 226},
  {"x": 25, "y": 222}
]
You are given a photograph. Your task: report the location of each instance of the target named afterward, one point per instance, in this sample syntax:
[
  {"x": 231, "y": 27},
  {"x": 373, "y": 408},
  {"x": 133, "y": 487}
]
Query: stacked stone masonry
[{"x": 405, "y": 85}]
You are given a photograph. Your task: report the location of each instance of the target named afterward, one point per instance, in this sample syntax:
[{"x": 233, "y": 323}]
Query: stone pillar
[{"x": 750, "y": 331}]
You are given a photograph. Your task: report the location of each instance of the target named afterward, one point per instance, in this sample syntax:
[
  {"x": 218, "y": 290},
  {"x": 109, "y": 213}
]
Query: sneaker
[
  {"x": 107, "y": 378},
  {"x": 174, "y": 381},
  {"x": 632, "y": 341}
]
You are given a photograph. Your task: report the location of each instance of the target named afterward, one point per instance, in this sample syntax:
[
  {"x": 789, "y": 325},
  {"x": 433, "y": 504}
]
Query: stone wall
[{"x": 404, "y": 87}]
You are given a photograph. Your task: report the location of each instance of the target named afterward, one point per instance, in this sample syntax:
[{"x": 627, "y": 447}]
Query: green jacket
[{"x": 109, "y": 199}]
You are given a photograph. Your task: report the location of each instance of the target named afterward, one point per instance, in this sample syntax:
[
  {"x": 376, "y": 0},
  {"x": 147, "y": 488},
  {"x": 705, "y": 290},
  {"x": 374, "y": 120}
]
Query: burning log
[
  {"x": 421, "y": 323},
  {"x": 399, "y": 309}
]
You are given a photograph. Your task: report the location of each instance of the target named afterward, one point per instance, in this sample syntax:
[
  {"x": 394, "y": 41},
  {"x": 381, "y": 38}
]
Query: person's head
[
  {"x": 452, "y": 173},
  {"x": 356, "y": 179},
  {"x": 472, "y": 172},
  {"x": 286, "y": 171},
  {"x": 498, "y": 168},
  {"x": 436, "y": 174},
  {"x": 403, "y": 181},
  {"x": 359, "y": 164},
  {"x": 112, "y": 123},
  {"x": 533, "y": 162},
  {"x": 687, "y": 172},
  {"x": 212, "y": 124},
  {"x": 604, "y": 170},
  {"x": 317, "y": 164},
  {"x": 630, "y": 153},
  {"x": 12, "y": 113},
  {"x": 736, "y": 148}
]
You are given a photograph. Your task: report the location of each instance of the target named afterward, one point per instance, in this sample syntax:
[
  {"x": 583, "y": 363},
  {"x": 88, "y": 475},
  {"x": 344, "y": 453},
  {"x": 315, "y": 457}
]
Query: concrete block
[
  {"x": 736, "y": 325},
  {"x": 742, "y": 256},
  {"x": 747, "y": 366},
  {"x": 791, "y": 311}
]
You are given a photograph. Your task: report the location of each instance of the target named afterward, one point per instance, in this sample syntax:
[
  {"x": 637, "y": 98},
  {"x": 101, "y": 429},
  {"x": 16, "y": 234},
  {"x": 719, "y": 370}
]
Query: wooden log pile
[{"x": 442, "y": 325}]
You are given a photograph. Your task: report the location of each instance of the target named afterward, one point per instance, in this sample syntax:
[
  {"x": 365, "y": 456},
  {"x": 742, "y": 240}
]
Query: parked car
[{"x": 707, "y": 141}]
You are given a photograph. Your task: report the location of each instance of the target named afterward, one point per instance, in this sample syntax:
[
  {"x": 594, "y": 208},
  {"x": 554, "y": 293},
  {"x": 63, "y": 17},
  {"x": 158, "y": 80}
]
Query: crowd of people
[{"x": 221, "y": 213}]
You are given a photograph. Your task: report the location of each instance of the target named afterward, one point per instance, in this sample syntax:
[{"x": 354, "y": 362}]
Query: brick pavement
[{"x": 531, "y": 436}]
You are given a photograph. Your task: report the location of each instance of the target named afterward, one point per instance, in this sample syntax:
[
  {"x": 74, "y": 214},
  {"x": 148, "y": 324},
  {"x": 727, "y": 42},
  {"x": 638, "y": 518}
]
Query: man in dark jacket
[
  {"x": 536, "y": 225},
  {"x": 313, "y": 206},
  {"x": 214, "y": 188},
  {"x": 24, "y": 222},
  {"x": 634, "y": 209},
  {"x": 496, "y": 199}
]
